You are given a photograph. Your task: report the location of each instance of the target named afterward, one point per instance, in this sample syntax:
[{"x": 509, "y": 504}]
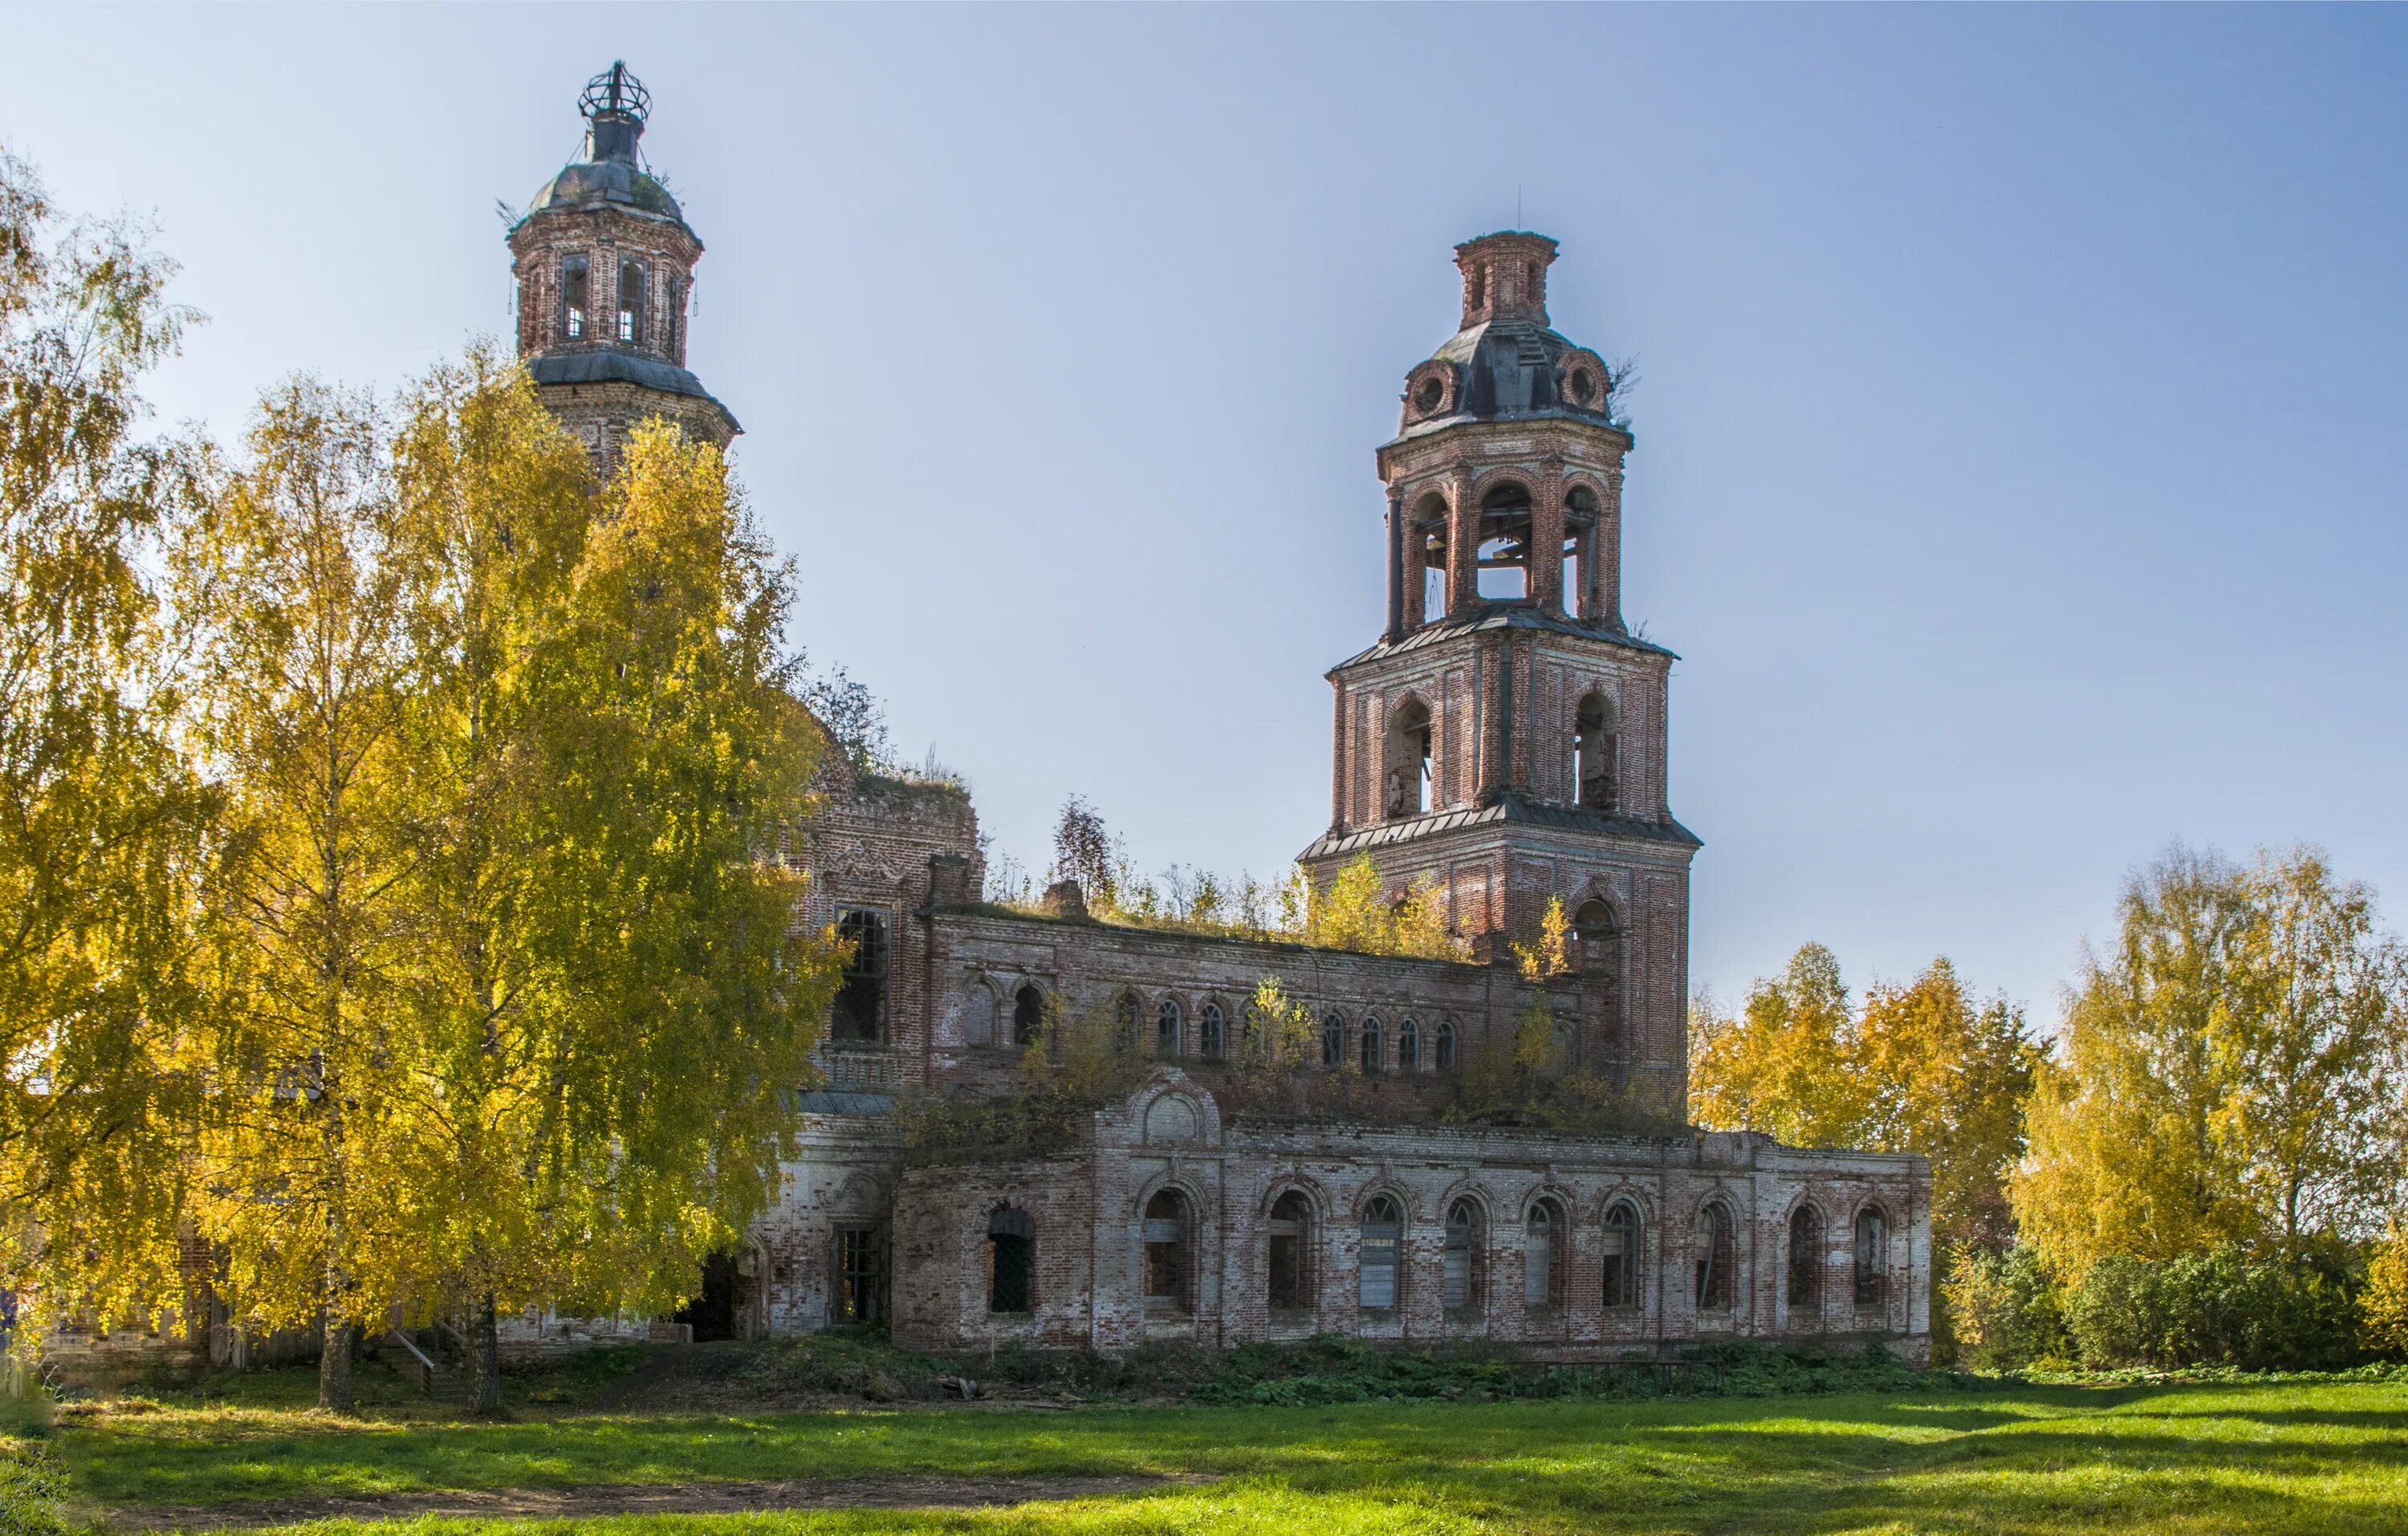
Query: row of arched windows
[
  {"x": 1168, "y": 1244},
  {"x": 1211, "y": 1035}
]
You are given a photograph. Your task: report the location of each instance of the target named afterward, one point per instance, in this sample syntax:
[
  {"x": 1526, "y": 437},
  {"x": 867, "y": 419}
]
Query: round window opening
[
  {"x": 1431, "y": 392},
  {"x": 1583, "y": 386}
]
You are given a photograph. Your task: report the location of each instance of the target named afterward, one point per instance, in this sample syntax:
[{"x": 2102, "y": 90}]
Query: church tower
[
  {"x": 604, "y": 263},
  {"x": 1506, "y": 734}
]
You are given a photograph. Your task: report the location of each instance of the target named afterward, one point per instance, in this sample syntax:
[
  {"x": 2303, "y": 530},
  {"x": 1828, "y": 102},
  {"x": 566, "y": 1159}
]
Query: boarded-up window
[
  {"x": 1165, "y": 1253},
  {"x": 1383, "y": 1236},
  {"x": 1462, "y": 1270}
]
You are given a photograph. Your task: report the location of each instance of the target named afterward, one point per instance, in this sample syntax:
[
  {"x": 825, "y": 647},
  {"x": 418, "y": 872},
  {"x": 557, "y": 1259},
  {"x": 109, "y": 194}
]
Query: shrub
[
  {"x": 2383, "y": 1305},
  {"x": 2006, "y": 1310},
  {"x": 2218, "y": 1308}
]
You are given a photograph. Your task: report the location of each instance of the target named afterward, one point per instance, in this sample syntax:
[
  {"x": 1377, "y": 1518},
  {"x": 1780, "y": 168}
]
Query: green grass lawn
[{"x": 2276, "y": 1456}]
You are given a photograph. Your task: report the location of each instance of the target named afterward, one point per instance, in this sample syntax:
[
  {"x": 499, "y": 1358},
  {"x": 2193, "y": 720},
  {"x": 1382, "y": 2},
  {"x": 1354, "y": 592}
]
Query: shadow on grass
[{"x": 2026, "y": 1460}]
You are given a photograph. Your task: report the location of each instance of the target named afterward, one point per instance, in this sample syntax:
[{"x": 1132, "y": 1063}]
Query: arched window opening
[
  {"x": 1580, "y": 539},
  {"x": 1504, "y": 553},
  {"x": 1250, "y": 1032},
  {"x": 1165, "y": 1029},
  {"x": 1461, "y": 1271},
  {"x": 1872, "y": 1255},
  {"x": 673, "y": 310},
  {"x": 1593, "y": 753},
  {"x": 1410, "y": 783},
  {"x": 575, "y": 298},
  {"x": 1805, "y": 1257},
  {"x": 1620, "y": 1255},
  {"x": 1333, "y": 1041},
  {"x": 1594, "y": 933},
  {"x": 1442, "y": 1048},
  {"x": 1543, "y": 1256},
  {"x": 1212, "y": 1027},
  {"x": 1124, "y": 1024},
  {"x": 1369, "y": 1055},
  {"x": 982, "y": 1016},
  {"x": 1287, "y": 1254},
  {"x": 1027, "y": 1013},
  {"x": 1384, "y": 1229},
  {"x": 1166, "y": 1244},
  {"x": 1011, "y": 1260},
  {"x": 1428, "y": 546},
  {"x": 1408, "y": 1046},
  {"x": 859, "y": 1016},
  {"x": 1711, "y": 1254},
  {"x": 631, "y": 302}
]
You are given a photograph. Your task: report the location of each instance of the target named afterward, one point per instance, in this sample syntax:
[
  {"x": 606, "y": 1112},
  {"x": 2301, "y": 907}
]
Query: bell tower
[
  {"x": 604, "y": 261},
  {"x": 1505, "y": 735}
]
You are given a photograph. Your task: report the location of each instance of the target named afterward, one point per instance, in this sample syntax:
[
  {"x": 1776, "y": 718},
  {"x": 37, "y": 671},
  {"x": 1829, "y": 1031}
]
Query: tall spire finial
[{"x": 615, "y": 104}]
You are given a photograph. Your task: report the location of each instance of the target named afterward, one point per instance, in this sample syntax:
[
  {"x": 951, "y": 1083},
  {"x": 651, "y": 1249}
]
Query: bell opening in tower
[{"x": 1504, "y": 554}]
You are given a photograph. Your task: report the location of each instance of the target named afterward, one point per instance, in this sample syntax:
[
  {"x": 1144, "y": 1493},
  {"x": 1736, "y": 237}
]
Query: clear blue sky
[{"x": 2019, "y": 460}]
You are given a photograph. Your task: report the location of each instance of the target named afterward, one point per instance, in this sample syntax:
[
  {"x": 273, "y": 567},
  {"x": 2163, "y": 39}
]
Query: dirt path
[{"x": 637, "y": 1499}]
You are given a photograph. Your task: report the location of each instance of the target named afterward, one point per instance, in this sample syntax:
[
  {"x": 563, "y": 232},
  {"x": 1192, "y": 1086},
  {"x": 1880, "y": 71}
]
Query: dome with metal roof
[
  {"x": 614, "y": 104},
  {"x": 1506, "y": 360}
]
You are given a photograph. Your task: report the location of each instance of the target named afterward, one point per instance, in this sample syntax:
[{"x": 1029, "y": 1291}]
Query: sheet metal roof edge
[
  {"x": 1516, "y": 809},
  {"x": 1503, "y": 616}
]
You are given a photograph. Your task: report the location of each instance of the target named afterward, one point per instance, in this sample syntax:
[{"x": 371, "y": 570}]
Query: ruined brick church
[{"x": 1504, "y": 734}]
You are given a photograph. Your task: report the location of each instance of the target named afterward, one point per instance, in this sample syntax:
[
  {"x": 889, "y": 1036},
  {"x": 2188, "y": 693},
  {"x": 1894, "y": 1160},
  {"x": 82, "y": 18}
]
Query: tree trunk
[
  {"x": 335, "y": 1367},
  {"x": 485, "y": 1368}
]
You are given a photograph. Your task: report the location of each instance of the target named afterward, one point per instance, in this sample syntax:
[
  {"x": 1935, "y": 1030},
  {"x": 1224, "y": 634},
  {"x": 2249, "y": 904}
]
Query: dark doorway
[
  {"x": 712, "y": 1313},
  {"x": 1012, "y": 1258}
]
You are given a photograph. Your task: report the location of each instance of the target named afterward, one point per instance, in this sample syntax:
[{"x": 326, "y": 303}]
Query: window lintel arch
[
  {"x": 1624, "y": 1193},
  {"x": 1426, "y": 504},
  {"x": 1585, "y": 480},
  {"x": 1175, "y": 1182},
  {"x": 1483, "y": 1199},
  {"x": 1316, "y": 1203},
  {"x": 1390, "y": 1189},
  {"x": 1560, "y": 1201},
  {"x": 1504, "y": 476}
]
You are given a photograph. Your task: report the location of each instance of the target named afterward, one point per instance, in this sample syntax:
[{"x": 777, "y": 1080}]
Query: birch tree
[
  {"x": 308, "y": 663},
  {"x": 2229, "y": 1071},
  {"x": 101, "y": 828}
]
